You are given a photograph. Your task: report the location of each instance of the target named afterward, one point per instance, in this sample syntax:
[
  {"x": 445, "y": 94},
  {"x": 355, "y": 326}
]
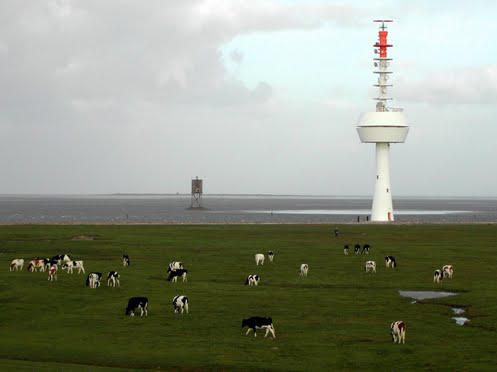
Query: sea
[{"x": 220, "y": 209}]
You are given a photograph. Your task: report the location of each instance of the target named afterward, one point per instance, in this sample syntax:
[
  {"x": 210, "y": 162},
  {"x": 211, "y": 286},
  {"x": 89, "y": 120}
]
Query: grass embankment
[{"x": 336, "y": 318}]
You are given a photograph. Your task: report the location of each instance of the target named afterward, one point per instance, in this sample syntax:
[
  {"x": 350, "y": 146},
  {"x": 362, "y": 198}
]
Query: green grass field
[{"x": 335, "y": 319}]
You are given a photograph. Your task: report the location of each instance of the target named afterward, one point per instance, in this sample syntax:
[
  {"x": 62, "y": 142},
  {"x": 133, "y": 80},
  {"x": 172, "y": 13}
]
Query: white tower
[{"x": 384, "y": 126}]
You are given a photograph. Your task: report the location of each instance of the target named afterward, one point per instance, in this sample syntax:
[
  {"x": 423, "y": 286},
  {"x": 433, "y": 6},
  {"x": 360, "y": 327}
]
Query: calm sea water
[{"x": 233, "y": 209}]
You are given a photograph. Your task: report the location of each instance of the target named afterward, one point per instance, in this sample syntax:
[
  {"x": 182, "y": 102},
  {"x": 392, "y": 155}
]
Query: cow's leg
[
  {"x": 141, "y": 310},
  {"x": 273, "y": 331},
  {"x": 248, "y": 331},
  {"x": 267, "y": 331},
  {"x": 118, "y": 284},
  {"x": 255, "y": 332},
  {"x": 146, "y": 309}
]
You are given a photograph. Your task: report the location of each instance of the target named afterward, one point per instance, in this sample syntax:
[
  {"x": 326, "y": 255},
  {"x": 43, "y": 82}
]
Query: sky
[{"x": 253, "y": 96}]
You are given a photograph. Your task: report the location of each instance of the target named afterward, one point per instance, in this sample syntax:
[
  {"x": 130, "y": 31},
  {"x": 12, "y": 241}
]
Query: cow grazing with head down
[
  {"x": 126, "y": 261},
  {"x": 93, "y": 280},
  {"x": 438, "y": 276},
  {"x": 270, "y": 255},
  {"x": 304, "y": 269},
  {"x": 448, "y": 271},
  {"x": 370, "y": 266},
  {"x": 52, "y": 273},
  {"x": 16, "y": 264},
  {"x": 259, "y": 259},
  {"x": 70, "y": 265},
  {"x": 175, "y": 274},
  {"x": 113, "y": 279},
  {"x": 390, "y": 262},
  {"x": 38, "y": 264},
  {"x": 398, "y": 331},
  {"x": 61, "y": 258},
  {"x": 180, "y": 304},
  {"x": 256, "y": 322},
  {"x": 174, "y": 265},
  {"x": 357, "y": 248},
  {"x": 346, "y": 249},
  {"x": 137, "y": 303},
  {"x": 252, "y": 279}
]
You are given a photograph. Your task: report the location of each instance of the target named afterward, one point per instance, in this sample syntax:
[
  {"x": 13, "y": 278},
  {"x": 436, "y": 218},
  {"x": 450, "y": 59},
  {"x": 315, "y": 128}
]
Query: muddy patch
[{"x": 83, "y": 237}]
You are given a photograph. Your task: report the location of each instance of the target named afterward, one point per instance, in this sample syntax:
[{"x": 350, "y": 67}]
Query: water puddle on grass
[{"x": 460, "y": 320}]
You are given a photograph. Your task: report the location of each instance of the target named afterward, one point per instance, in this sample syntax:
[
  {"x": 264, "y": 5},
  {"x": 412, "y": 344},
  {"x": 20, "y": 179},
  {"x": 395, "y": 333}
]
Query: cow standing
[
  {"x": 180, "y": 304},
  {"x": 398, "y": 331},
  {"x": 93, "y": 280},
  {"x": 16, "y": 264},
  {"x": 370, "y": 266},
  {"x": 113, "y": 279},
  {"x": 126, "y": 261},
  {"x": 38, "y": 264},
  {"x": 70, "y": 265},
  {"x": 304, "y": 269},
  {"x": 365, "y": 249},
  {"x": 52, "y": 273},
  {"x": 259, "y": 259},
  {"x": 390, "y": 262},
  {"x": 137, "y": 303},
  {"x": 346, "y": 249},
  {"x": 256, "y": 322},
  {"x": 357, "y": 248},
  {"x": 448, "y": 271},
  {"x": 175, "y": 274},
  {"x": 270, "y": 255},
  {"x": 438, "y": 276},
  {"x": 174, "y": 265},
  {"x": 252, "y": 279}
]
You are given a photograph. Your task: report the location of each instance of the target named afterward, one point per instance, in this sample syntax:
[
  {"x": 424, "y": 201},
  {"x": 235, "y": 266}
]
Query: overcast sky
[{"x": 254, "y": 96}]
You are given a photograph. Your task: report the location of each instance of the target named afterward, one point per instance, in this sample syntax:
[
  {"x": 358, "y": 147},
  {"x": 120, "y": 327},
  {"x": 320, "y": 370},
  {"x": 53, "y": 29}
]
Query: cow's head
[{"x": 244, "y": 322}]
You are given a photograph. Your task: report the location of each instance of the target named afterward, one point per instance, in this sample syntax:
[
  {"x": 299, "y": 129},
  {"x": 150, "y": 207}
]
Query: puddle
[
  {"x": 425, "y": 295},
  {"x": 458, "y": 311},
  {"x": 460, "y": 320}
]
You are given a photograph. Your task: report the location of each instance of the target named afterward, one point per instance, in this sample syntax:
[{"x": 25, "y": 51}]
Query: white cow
[
  {"x": 304, "y": 268},
  {"x": 398, "y": 330},
  {"x": 370, "y": 266},
  {"x": 180, "y": 304},
  {"x": 16, "y": 264},
  {"x": 448, "y": 271},
  {"x": 70, "y": 265},
  {"x": 259, "y": 258}
]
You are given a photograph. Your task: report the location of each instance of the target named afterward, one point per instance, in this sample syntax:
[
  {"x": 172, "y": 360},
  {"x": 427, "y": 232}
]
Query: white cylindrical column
[{"x": 382, "y": 201}]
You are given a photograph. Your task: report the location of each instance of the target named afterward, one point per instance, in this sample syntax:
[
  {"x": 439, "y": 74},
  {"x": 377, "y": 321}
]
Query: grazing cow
[
  {"x": 252, "y": 279},
  {"x": 448, "y": 271},
  {"x": 137, "y": 303},
  {"x": 357, "y": 248},
  {"x": 370, "y": 266},
  {"x": 390, "y": 262},
  {"x": 256, "y": 322},
  {"x": 49, "y": 262},
  {"x": 175, "y": 274},
  {"x": 270, "y": 255},
  {"x": 16, "y": 264},
  {"x": 304, "y": 268},
  {"x": 346, "y": 249},
  {"x": 174, "y": 265},
  {"x": 180, "y": 304},
  {"x": 125, "y": 260},
  {"x": 113, "y": 279},
  {"x": 365, "y": 249},
  {"x": 438, "y": 276},
  {"x": 398, "y": 330},
  {"x": 70, "y": 265},
  {"x": 52, "y": 273},
  {"x": 37, "y": 264},
  {"x": 93, "y": 280},
  {"x": 61, "y": 258},
  {"x": 259, "y": 258}
]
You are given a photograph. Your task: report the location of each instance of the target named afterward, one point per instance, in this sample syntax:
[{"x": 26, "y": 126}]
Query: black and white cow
[
  {"x": 180, "y": 304},
  {"x": 304, "y": 269},
  {"x": 365, "y": 249},
  {"x": 175, "y": 274},
  {"x": 174, "y": 265},
  {"x": 61, "y": 258},
  {"x": 256, "y": 322},
  {"x": 52, "y": 273},
  {"x": 49, "y": 262},
  {"x": 438, "y": 275},
  {"x": 93, "y": 280},
  {"x": 398, "y": 331},
  {"x": 270, "y": 255},
  {"x": 113, "y": 279},
  {"x": 390, "y": 262},
  {"x": 70, "y": 265},
  {"x": 16, "y": 264},
  {"x": 126, "y": 261},
  {"x": 357, "y": 248},
  {"x": 137, "y": 303},
  {"x": 346, "y": 249},
  {"x": 252, "y": 279}
]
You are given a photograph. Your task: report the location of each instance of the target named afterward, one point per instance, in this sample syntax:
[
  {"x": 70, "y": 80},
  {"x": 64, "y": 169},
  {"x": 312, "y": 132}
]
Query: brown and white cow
[
  {"x": 52, "y": 273},
  {"x": 398, "y": 330},
  {"x": 38, "y": 264},
  {"x": 448, "y": 271}
]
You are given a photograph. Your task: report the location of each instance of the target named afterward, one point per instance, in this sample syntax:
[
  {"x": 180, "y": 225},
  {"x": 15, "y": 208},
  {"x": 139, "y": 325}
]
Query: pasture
[{"x": 337, "y": 318}]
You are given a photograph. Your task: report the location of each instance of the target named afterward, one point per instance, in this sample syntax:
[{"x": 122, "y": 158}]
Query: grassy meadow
[{"x": 337, "y": 318}]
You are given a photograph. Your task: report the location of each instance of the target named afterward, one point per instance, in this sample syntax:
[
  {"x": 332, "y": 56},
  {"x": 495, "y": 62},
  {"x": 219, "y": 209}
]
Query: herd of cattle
[{"x": 176, "y": 270}]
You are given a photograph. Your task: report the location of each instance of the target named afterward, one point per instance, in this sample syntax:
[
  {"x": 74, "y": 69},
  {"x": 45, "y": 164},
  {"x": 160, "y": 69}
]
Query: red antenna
[{"x": 382, "y": 43}]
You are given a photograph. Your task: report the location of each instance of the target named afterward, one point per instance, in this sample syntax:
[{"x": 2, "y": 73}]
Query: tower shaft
[{"x": 382, "y": 201}]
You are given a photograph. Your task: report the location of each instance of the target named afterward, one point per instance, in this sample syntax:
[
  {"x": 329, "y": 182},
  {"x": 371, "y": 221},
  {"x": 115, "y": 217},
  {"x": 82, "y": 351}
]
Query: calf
[
  {"x": 252, "y": 279},
  {"x": 304, "y": 268},
  {"x": 180, "y": 304},
  {"x": 370, "y": 266},
  {"x": 37, "y": 264},
  {"x": 365, "y": 249},
  {"x": 438, "y": 276},
  {"x": 398, "y": 331},
  {"x": 70, "y": 265},
  {"x": 175, "y": 265},
  {"x": 175, "y": 274},
  {"x": 137, "y": 303},
  {"x": 270, "y": 255},
  {"x": 113, "y": 279},
  {"x": 93, "y": 280},
  {"x": 346, "y": 249},
  {"x": 16, "y": 264},
  {"x": 126, "y": 261},
  {"x": 357, "y": 248},
  {"x": 448, "y": 271},
  {"x": 390, "y": 262},
  {"x": 259, "y": 258},
  {"x": 256, "y": 322},
  {"x": 52, "y": 273}
]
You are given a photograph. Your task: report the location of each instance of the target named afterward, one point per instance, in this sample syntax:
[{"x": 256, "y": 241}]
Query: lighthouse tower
[{"x": 384, "y": 126}]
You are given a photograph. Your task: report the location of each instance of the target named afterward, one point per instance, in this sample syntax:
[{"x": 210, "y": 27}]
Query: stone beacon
[{"x": 384, "y": 126}]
